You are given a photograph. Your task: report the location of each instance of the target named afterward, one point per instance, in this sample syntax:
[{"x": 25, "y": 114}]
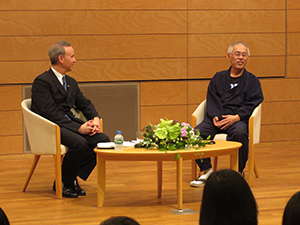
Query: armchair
[
  {"x": 44, "y": 139},
  {"x": 254, "y": 138}
]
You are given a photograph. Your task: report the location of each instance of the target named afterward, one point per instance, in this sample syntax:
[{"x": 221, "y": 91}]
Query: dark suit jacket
[{"x": 50, "y": 100}]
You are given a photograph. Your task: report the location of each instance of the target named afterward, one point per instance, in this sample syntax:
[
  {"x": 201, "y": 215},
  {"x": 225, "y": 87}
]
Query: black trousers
[
  {"x": 236, "y": 132},
  {"x": 80, "y": 160}
]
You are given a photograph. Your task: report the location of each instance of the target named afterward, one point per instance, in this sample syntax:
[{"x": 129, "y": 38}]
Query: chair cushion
[
  {"x": 64, "y": 149},
  {"x": 220, "y": 137}
]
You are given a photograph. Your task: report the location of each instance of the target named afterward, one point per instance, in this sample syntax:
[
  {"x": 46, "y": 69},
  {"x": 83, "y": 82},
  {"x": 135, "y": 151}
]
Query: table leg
[
  {"x": 194, "y": 169},
  {"x": 179, "y": 182},
  {"x": 159, "y": 178},
  {"x": 234, "y": 160},
  {"x": 101, "y": 181}
]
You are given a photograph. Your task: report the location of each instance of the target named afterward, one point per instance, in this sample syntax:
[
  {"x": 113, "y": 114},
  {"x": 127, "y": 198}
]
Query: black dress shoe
[
  {"x": 66, "y": 191},
  {"x": 78, "y": 189},
  {"x": 69, "y": 193}
]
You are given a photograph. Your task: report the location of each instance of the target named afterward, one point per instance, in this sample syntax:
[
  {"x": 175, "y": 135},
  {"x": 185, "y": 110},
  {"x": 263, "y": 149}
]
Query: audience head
[
  {"x": 119, "y": 220},
  {"x": 227, "y": 200},
  {"x": 291, "y": 214},
  {"x": 3, "y": 218}
]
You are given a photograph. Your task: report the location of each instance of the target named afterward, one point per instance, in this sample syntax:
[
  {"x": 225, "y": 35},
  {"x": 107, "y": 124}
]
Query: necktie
[{"x": 64, "y": 82}]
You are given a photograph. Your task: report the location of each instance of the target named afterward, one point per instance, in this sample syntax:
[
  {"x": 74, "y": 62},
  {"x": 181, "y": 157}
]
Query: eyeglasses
[{"x": 238, "y": 54}]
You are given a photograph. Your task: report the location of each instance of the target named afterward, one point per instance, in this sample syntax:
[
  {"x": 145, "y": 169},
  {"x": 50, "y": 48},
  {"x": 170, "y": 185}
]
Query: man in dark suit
[{"x": 54, "y": 96}]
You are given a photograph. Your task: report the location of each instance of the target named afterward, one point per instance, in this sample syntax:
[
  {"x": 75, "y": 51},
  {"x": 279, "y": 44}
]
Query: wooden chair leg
[
  {"x": 58, "y": 176},
  {"x": 215, "y": 165},
  {"x": 256, "y": 170},
  {"x": 31, "y": 170},
  {"x": 251, "y": 166},
  {"x": 252, "y": 170}
]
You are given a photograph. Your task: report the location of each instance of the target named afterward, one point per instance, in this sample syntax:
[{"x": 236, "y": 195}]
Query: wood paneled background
[{"x": 171, "y": 47}]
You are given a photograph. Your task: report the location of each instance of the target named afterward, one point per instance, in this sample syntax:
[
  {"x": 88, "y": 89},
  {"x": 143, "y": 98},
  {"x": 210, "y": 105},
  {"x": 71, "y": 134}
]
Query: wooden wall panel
[
  {"x": 293, "y": 4},
  {"x": 281, "y": 90},
  {"x": 11, "y": 144},
  {"x": 16, "y": 72},
  {"x": 191, "y": 109},
  {"x": 163, "y": 93},
  {"x": 96, "y": 47},
  {"x": 273, "y": 66},
  {"x": 153, "y": 114},
  {"x": 11, "y": 97},
  {"x": 226, "y": 21},
  {"x": 293, "y": 43},
  {"x": 237, "y": 4},
  {"x": 133, "y": 69},
  {"x": 145, "y": 4},
  {"x": 203, "y": 68},
  {"x": 293, "y": 67},
  {"x": 161, "y": 44},
  {"x": 91, "y": 22},
  {"x": 293, "y": 20},
  {"x": 279, "y": 133},
  {"x": 208, "y": 45},
  {"x": 99, "y": 70},
  {"x": 197, "y": 91},
  {"x": 285, "y": 112},
  {"x": 11, "y": 123},
  {"x": 92, "y": 4}
]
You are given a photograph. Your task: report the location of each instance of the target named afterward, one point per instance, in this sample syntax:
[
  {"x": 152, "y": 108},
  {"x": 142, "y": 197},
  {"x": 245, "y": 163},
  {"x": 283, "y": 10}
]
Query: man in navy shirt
[{"x": 232, "y": 95}]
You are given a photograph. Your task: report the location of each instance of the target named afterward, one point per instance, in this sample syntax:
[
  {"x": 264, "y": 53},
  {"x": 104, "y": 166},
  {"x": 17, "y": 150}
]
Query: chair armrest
[
  {"x": 255, "y": 123},
  {"x": 199, "y": 114},
  {"x": 43, "y": 134}
]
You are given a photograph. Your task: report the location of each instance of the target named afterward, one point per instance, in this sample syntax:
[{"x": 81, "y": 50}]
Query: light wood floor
[{"x": 131, "y": 190}]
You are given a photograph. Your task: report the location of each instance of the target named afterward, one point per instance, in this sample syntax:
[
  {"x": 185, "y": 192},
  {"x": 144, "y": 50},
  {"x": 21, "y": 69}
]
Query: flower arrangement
[{"x": 171, "y": 135}]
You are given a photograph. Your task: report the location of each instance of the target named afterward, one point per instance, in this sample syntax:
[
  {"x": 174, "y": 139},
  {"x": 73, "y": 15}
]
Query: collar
[{"x": 58, "y": 75}]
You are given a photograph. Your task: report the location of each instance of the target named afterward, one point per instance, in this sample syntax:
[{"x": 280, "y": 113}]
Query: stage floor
[{"x": 132, "y": 191}]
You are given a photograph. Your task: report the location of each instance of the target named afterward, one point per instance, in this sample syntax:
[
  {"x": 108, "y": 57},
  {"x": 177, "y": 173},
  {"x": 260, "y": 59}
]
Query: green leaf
[
  {"x": 172, "y": 147},
  {"x": 165, "y": 123},
  {"x": 161, "y": 133},
  {"x": 180, "y": 144},
  {"x": 180, "y": 147},
  {"x": 177, "y": 156},
  {"x": 174, "y": 131}
]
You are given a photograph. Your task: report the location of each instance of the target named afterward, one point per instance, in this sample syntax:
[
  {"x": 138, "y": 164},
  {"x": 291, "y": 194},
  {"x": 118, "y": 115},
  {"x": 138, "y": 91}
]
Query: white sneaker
[{"x": 200, "y": 181}]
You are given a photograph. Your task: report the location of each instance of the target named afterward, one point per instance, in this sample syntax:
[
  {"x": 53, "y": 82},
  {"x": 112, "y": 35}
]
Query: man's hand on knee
[
  {"x": 85, "y": 128},
  {"x": 228, "y": 120}
]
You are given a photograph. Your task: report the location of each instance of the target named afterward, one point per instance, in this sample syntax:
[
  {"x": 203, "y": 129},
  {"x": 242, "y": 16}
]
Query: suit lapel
[
  {"x": 57, "y": 83},
  {"x": 61, "y": 89}
]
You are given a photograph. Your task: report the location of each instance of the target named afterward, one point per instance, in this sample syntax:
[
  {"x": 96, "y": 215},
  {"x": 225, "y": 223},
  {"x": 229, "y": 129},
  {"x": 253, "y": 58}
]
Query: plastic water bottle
[{"x": 118, "y": 141}]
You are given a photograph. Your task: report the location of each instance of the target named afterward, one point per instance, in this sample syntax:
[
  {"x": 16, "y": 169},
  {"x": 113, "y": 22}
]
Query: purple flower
[
  {"x": 183, "y": 132},
  {"x": 185, "y": 125}
]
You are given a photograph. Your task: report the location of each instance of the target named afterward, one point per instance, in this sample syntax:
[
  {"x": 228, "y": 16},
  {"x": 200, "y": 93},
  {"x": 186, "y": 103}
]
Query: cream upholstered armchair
[
  {"x": 44, "y": 139},
  {"x": 254, "y": 138}
]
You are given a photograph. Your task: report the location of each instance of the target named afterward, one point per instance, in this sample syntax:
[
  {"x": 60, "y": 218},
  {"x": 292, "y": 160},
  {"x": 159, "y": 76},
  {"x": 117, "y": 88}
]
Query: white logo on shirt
[{"x": 233, "y": 86}]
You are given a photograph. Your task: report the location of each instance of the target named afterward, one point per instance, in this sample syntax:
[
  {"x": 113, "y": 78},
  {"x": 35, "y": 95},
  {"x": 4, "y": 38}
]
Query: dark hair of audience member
[
  {"x": 3, "y": 218},
  {"x": 119, "y": 220},
  {"x": 227, "y": 200},
  {"x": 291, "y": 213}
]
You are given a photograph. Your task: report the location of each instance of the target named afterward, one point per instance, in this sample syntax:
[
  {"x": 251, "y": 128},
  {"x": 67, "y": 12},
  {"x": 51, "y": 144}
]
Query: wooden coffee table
[{"x": 141, "y": 154}]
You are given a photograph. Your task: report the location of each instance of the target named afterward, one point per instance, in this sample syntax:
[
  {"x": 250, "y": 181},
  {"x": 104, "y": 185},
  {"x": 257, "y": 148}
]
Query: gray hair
[
  {"x": 56, "y": 50},
  {"x": 236, "y": 43}
]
